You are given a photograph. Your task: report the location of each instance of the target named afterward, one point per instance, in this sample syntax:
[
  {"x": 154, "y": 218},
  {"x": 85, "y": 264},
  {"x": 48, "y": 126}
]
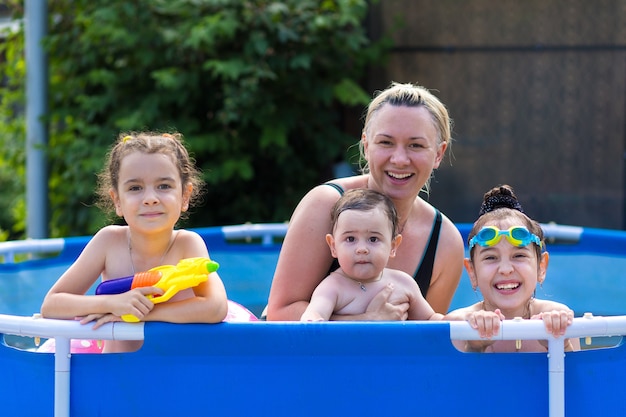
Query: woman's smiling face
[{"x": 402, "y": 148}]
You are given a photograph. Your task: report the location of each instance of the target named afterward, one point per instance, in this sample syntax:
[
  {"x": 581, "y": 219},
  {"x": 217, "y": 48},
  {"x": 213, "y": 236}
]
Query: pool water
[
  {"x": 586, "y": 282},
  {"x": 587, "y": 275}
]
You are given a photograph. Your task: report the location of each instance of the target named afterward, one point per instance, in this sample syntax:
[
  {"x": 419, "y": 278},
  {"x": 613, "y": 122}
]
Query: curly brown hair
[{"x": 170, "y": 144}]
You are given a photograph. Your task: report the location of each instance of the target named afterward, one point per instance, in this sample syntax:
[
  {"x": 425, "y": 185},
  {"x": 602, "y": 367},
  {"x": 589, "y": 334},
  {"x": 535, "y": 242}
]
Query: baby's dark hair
[
  {"x": 500, "y": 203},
  {"x": 170, "y": 144},
  {"x": 363, "y": 199}
]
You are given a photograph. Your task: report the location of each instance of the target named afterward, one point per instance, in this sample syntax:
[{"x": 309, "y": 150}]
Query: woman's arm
[{"x": 305, "y": 258}]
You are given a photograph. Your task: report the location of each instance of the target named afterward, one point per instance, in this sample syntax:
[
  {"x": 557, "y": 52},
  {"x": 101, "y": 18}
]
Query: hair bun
[{"x": 500, "y": 197}]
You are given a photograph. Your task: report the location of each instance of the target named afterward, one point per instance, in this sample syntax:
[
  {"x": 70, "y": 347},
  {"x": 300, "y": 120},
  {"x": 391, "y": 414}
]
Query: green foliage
[{"x": 255, "y": 86}]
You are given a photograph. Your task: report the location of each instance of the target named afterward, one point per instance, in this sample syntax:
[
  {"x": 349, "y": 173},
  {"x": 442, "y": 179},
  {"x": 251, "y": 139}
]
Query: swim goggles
[{"x": 517, "y": 236}]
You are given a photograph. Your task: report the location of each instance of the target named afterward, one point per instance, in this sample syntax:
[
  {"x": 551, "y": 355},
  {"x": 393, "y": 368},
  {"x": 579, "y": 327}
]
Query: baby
[{"x": 364, "y": 237}]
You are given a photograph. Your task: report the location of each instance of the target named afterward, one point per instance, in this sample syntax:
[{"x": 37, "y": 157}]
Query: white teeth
[
  {"x": 399, "y": 176},
  {"x": 509, "y": 286}
]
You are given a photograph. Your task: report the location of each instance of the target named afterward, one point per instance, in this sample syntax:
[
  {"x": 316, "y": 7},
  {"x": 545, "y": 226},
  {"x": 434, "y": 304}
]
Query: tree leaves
[{"x": 255, "y": 86}]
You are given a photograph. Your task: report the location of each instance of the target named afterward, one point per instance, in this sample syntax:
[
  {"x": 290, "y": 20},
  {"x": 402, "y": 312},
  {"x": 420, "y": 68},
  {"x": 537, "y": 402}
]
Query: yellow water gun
[{"x": 188, "y": 273}]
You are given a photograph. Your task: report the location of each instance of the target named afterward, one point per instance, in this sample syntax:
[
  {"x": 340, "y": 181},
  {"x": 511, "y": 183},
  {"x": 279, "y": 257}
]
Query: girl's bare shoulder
[
  {"x": 461, "y": 313},
  {"x": 540, "y": 306},
  {"x": 188, "y": 244},
  {"x": 187, "y": 235},
  {"x": 112, "y": 234}
]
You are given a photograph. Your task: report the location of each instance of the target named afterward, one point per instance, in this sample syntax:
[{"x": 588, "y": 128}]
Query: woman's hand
[{"x": 381, "y": 309}]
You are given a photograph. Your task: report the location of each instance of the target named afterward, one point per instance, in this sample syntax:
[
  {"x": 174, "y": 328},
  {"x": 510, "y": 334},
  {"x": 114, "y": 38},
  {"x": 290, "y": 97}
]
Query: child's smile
[
  {"x": 507, "y": 286},
  {"x": 150, "y": 190},
  {"x": 506, "y": 275}
]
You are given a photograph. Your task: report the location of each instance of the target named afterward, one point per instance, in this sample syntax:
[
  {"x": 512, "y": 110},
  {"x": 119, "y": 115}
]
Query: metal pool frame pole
[
  {"x": 36, "y": 26},
  {"x": 62, "y": 358},
  {"x": 556, "y": 376}
]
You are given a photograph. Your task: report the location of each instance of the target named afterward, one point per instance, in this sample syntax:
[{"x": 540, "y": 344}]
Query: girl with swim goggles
[{"x": 507, "y": 260}]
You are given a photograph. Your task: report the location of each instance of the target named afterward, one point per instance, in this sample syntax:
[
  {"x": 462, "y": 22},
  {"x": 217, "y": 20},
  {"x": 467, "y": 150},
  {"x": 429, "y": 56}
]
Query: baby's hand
[
  {"x": 556, "y": 321},
  {"x": 486, "y": 322},
  {"x": 310, "y": 320},
  {"x": 310, "y": 316}
]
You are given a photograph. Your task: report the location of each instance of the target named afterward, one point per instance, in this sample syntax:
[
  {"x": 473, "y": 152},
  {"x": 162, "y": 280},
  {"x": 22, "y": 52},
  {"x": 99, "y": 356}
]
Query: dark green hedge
[{"x": 256, "y": 87}]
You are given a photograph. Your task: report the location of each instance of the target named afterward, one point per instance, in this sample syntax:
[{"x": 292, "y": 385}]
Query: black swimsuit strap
[
  {"x": 424, "y": 273},
  {"x": 336, "y": 187}
]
